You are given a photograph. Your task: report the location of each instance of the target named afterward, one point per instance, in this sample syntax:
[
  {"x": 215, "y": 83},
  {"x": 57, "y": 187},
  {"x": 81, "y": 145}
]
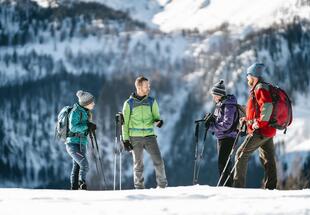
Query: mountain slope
[{"x": 206, "y": 15}]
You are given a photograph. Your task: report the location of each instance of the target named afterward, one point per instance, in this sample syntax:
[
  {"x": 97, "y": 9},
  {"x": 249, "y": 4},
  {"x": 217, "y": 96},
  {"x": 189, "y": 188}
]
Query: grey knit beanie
[
  {"x": 219, "y": 89},
  {"x": 85, "y": 98}
]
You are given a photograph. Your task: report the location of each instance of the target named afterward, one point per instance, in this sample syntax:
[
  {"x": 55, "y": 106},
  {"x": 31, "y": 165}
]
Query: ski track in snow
[{"x": 174, "y": 200}]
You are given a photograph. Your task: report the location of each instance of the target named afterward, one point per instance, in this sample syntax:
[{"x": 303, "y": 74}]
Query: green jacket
[
  {"x": 78, "y": 119},
  {"x": 139, "y": 121}
]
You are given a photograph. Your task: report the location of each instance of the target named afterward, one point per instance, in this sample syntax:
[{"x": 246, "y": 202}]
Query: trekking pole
[
  {"x": 93, "y": 133},
  {"x": 118, "y": 148},
  {"x": 119, "y": 126},
  {"x": 235, "y": 165},
  {"x": 198, "y": 156},
  {"x": 231, "y": 153},
  {"x": 120, "y": 168},
  {"x": 94, "y": 155},
  {"x": 201, "y": 154},
  {"x": 115, "y": 151},
  {"x": 196, "y": 150}
]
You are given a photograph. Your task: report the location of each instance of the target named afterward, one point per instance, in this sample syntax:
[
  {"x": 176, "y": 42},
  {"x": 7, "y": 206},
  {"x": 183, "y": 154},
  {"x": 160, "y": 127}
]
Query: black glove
[
  {"x": 127, "y": 145},
  {"x": 159, "y": 123},
  {"x": 209, "y": 118},
  {"x": 91, "y": 126}
]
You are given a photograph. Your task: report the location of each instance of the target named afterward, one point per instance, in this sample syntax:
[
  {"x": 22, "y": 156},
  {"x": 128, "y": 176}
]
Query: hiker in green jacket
[{"x": 141, "y": 112}]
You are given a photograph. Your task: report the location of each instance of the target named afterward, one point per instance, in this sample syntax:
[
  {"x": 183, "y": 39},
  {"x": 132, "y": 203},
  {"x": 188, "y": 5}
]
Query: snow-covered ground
[{"x": 175, "y": 200}]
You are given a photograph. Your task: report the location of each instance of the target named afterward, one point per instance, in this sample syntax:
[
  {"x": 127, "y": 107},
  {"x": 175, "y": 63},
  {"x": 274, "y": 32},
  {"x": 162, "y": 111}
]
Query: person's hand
[
  {"x": 91, "y": 126},
  {"x": 209, "y": 118},
  {"x": 159, "y": 123},
  {"x": 242, "y": 121},
  {"x": 127, "y": 145},
  {"x": 255, "y": 125}
]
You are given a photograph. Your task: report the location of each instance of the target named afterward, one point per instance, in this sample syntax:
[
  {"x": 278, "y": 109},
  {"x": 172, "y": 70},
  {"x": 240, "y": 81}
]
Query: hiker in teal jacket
[
  {"x": 140, "y": 113},
  {"x": 79, "y": 127}
]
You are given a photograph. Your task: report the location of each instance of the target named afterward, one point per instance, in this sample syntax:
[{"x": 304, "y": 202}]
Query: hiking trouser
[
  {"x": 150, "y": 145},
  {"x": 79, "y": 160},
  {"x": 267, "y": 158},
  {"x": 224, "y": 148}
]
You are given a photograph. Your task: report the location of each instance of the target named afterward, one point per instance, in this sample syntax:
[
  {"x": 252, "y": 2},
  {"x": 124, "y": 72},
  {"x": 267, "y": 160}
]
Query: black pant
[{"x": 225, "y": 146}]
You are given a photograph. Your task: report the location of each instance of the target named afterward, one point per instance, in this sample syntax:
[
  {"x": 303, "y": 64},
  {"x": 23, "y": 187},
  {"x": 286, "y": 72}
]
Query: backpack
[
  {"x": 62, "y": 126},
  {"x": 282, "y": 113}
]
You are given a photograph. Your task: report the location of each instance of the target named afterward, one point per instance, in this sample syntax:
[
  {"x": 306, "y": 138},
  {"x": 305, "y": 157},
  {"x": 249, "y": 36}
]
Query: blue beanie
[{"x": 256, "y": 70}]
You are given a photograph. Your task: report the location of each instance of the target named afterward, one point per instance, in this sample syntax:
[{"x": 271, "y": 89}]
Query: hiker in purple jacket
[{"x": 224, "y": 126}]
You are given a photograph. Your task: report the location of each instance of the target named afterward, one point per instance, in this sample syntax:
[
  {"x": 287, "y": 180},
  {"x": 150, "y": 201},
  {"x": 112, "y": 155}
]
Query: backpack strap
[
  {"x": 270, "y": 87},
  {"x": 131, "y": 104},
  {"x": 151, "y": 102}
]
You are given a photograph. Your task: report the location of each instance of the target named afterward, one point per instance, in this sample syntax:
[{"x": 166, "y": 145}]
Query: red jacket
[{"x": 259, "y": 108}]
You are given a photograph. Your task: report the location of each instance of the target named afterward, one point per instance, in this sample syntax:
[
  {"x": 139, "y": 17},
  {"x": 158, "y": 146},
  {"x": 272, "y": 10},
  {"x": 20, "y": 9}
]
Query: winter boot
[
  {"x": 75, "y": 186},
  {"x": 82, "y": 185}
]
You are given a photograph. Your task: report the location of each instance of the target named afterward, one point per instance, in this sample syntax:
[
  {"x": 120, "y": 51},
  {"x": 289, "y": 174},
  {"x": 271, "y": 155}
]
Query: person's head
[
  {"x": 86, "y": 99},
  {"x": 255, "y": 73},
  {"x": 218, "y": 91},
  {"x": 142, "y": 86}
]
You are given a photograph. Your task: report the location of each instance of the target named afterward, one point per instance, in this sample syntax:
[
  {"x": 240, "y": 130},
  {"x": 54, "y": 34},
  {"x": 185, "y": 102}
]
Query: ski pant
[
  {"x": 150, "y": 145},
  {"x": 80, "y": 163},
  {"x": 267, "y": 158},
  {"x": 224, "y": 148}
]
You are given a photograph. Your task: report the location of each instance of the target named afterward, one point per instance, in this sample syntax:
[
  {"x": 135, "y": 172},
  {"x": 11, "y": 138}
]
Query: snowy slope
[
  {"x": 142, "y": 10},
  {"x": 177, "y": 200},
  {"x": 205, "y": 14}
]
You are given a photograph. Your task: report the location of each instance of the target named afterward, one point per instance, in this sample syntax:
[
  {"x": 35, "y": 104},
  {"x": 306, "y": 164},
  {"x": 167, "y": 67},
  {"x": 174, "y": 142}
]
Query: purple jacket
[{"x": 225, "y": 114}]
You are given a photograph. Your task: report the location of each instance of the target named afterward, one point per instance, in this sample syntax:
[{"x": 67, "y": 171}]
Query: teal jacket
[
  {"x": 78, "y": 119},
  {"x": 139, "y": 121}
]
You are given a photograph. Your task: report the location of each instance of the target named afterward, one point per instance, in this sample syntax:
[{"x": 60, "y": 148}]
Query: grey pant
[
  {"x": 79, "y": 160},
  {"x": 267, "y": 158},
  {"x": 150, "y": 145}
]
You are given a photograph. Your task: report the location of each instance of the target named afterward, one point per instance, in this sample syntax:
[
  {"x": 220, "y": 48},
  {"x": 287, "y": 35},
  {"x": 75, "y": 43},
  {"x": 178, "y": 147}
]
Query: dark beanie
[
  {"x": 85, "y": 98},
  {"x": 219, "y": 89}
]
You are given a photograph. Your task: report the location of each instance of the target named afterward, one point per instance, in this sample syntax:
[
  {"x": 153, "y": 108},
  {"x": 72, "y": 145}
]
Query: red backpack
[{"x": 282, "y": 114}]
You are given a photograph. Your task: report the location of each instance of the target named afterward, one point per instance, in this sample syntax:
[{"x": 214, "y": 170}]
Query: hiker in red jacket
[{"x": 260, "y": 133}]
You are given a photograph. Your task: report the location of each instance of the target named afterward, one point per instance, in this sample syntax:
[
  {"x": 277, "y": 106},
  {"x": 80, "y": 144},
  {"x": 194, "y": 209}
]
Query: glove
[
  {"x": 91, "y": 126},
  {"x": 209, "y": 118},
  {"x": 127, "y": 145},
  {"x": 159, "y": 123}
]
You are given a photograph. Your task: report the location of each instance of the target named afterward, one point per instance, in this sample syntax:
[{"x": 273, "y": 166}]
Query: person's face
[
  {"x": 251, "y": 80},
  {"x": 216, "y": 98},
  {"x": 91, "y": 106},
  {"x": 144, "y": 88}
]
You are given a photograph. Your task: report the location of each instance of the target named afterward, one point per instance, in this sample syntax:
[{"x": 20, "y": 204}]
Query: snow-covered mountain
[{"x": 98, "y": 46}]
